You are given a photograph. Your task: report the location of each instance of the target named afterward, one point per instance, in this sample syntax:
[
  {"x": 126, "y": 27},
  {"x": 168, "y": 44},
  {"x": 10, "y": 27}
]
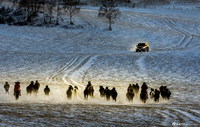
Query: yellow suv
[{"x": 142, "y": 47}]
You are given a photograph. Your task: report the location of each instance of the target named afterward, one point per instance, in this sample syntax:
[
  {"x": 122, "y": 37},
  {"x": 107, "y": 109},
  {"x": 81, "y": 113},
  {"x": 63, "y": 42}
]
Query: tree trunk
[
  {"x": 71, "y": 23},
  {"x": 110, "y": 25},
  {"x": 57, "y": 14},
  {"x": 44, "y": 13}
]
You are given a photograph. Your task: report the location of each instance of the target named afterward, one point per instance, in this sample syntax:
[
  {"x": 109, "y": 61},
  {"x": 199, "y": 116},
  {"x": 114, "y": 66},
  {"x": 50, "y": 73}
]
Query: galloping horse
[
  {"x": 144, "y": 95},
  {"x": 33, "y": 88},
  {"x": 156, "y": 95},
  {"x": 102, "y": 91},
  {"x": 36, "y": 86},
  {"x": 46, "y": 90},
  {"x": 114, "y": 94},
  {"x": 107, "y": 93},
  {"x": 165, "y": 93},
  {"x": 130, "y": 93},
  {"x": 17, "y": 90},
  {"x": 30, "y": 88},
  {"x": 89, "y": 90},
  {"x": 69, "y": 92},
  {"x": 6, "y": 87}
]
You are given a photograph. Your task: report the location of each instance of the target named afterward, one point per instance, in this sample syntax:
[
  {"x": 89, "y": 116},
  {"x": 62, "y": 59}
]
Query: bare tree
[
  {"x": 110, "y": 11},
  {"x": 50, "y": 4},
  {"x": 42, "y": 3},
  {"x": 26, "y": 5},
  {"x": 58, "y": 11},
  {"x": 32, "y": 7},
  {"x": 14, "y": 2},
  {"x": 72, "y": 8}
]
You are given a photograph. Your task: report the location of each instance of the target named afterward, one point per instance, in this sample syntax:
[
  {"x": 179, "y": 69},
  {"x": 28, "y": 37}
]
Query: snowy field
[{"x": 59, "y": 57}]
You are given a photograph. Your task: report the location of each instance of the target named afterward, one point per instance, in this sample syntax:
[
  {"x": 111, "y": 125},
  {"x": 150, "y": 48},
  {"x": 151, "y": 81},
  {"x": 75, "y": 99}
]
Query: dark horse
[
  {"x": 107, "y": 93},
  {"x": 114, "y": 94},
  {"x": 75, "y": 89},
  {"x": 30, "y": 88},
  {"x": 143, "y": 94},
  {"x": 152, "y": 93},
  {"x": 89, "y": 90},
  {"x": 69, "y": 92},
  {"x": 46, "y": 90},
  {"x": 136, "y": 88},
  {"x": 165, "y": 93},
  {"x": 33, "y": 88},
  {"x": 102, "y": 92},
  {"x": 17, "y": 90},
  {"x": 6, "y": 87},
  {"x": 130, "y": 93},
  {"x": 156, "y": 95},
  {"x": 36, "y": 86}
]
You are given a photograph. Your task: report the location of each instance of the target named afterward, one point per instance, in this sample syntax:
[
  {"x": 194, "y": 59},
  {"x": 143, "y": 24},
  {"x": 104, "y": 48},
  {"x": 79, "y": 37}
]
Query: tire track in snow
[
  {"x": 75, "y": 68},
  {"x": 188, "y": 114},
  {"x": 187, "y": 37},
  {"x": 62, "y": 70},
  {"x": 171, "y": 115},
  {"x": 141, "y": 67},
  {"x": 59, "y": 71}
]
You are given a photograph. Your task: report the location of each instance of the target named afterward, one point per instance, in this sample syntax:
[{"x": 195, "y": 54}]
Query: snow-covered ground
[
  {"x": 59, "y": 57},
  {"x": 75, "y": 56}
]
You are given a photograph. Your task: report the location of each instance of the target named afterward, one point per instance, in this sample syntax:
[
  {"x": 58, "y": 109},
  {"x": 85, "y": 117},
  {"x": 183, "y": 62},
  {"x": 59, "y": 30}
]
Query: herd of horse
[{"x": 132, "y": 91}]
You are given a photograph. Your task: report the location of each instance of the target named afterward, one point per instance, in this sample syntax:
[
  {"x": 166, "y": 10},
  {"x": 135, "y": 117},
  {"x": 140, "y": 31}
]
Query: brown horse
[
  {"x": 30, "y": 88},
  {"x": 89, "y": 90},
  {"x": 107, "y": 93},
  {"x": 17, "y": 90},
  {"x": 36, "y": 86},
  {"x": 69, "y": 92},
  {"x": 130, "y": 93}
]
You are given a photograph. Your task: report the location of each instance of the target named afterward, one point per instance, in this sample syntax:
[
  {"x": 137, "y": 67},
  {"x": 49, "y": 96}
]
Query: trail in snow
[
  {"x": 55, "y": 75},
  {"x": 81, "y": 64},
  {"x": 187, "y": 37},
  {"x": 141, "y": 67}
]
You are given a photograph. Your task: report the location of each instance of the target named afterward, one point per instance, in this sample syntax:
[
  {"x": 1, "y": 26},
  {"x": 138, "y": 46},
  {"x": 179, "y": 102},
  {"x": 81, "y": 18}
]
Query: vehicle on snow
[{"x": 142, "y": 47}]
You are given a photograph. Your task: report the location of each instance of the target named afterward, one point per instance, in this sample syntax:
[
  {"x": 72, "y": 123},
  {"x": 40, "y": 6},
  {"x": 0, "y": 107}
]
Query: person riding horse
[
  {"x": 107, "y": 93},
  {"x": 114, "y": 94},
  {"x": 89, "y": 90},
  {"x": 152, "y": 93},
  {"x": 130, "y": 93},
  {"x": 36, "y": 86},
  {"x": 165, "y": 93},
  {"x": 143, "y": 94},
  {"x": 156, "y": 95},
  {"x": 17, "y": 90},
  {"x": 102, "y": 91},
  {"x": 30, "y": 88},
  {"x": 69, "y": 92},
  {"x": 136, "y": 88},
  {"x": 46, "y": 90}
]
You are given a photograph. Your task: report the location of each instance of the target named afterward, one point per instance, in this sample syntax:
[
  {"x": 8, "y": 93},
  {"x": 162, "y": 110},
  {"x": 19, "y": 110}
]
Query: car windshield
[{"x": 141, "y": 44}]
